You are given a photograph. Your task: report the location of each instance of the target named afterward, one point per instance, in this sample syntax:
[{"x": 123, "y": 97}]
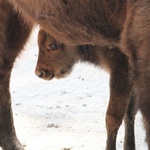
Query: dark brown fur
[
  {"x": 75, "y": 21},
  {"x": 13, "y": 35},
  {"x": 118, "y": 23},
  {"x": 57, "y": 59}
]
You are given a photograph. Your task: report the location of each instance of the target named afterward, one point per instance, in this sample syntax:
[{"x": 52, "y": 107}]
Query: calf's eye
[{"x": 53, "y": 46}]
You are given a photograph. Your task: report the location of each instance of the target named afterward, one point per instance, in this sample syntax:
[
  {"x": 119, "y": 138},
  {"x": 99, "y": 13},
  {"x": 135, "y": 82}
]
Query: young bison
[
  {"x": 108, "y": 23},
  {"x": 57, "y": 59}
]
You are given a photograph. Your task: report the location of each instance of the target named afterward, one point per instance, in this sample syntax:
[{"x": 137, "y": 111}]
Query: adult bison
[{"x": 119, "y": 23}]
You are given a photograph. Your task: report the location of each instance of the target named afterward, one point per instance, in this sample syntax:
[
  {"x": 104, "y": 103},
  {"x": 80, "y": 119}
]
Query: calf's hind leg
[
  {"x": 129, "y": 140},
  {"x": 120, "y": 91},
  {"x": 13, "y": 35}
]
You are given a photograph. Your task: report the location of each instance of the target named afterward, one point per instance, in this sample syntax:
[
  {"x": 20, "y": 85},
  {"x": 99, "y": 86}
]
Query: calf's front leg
[{"x": 120, "y": 95}]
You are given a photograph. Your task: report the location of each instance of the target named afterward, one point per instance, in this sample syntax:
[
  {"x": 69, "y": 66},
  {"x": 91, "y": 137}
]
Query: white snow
[{"x": 66, "y": 114}]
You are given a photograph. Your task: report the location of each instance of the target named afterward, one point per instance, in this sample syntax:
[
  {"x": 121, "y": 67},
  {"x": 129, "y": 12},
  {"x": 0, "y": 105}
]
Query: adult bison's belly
[{"x": 73, "y": 22}]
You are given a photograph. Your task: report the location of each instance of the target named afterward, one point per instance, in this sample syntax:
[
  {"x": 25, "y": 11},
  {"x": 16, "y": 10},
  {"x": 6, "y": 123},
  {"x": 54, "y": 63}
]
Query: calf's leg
[
  {"x": 129, "y": 139},
  {"x": 13, "y": 35},
  {"x": 120, "y": 91}
]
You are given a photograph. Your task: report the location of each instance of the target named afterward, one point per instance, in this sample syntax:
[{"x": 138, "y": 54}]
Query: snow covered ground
[{"x": 66, "y": 114}]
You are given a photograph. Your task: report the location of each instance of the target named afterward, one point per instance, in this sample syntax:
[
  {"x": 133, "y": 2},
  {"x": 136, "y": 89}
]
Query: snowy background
[{"x": 66, "y": 114}]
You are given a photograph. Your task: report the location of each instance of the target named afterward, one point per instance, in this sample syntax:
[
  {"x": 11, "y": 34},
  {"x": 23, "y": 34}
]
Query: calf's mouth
[{"x": 49, "y": 75}]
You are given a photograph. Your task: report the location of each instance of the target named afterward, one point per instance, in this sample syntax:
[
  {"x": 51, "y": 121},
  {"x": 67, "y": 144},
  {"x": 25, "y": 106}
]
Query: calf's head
[{"x": 55, "y": 59}]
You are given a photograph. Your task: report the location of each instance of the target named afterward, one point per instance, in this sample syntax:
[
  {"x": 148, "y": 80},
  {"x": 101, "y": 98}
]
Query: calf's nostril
[
  {"x": 44, "y": 74},
  {"x": 39, "y": 73}
]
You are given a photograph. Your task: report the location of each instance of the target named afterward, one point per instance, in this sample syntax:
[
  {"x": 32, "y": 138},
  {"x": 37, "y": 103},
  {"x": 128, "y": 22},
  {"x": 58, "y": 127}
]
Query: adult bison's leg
[
  {"x": 120, "y": 91},
  {"x": 13, "y": 35},
  {"x": 136, "y": 44}
]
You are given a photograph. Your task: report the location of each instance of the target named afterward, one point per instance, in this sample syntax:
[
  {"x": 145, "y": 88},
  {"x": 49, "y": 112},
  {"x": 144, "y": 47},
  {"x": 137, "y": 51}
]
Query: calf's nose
[{"x": 40, "y": 73}]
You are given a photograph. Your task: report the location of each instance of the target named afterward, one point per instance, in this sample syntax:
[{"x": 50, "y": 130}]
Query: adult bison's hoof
[{"x": 12, "y": 144}]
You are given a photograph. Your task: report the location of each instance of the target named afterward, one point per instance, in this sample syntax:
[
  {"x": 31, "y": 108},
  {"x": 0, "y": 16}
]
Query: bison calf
[
  {"x": 118, "y": 23},
  {"x": 56, "y": 60}
]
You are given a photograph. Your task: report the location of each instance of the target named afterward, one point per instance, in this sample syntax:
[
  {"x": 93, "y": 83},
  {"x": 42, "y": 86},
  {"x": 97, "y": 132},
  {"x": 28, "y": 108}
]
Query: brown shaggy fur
[
  {"x": 57, "y": 59},
  {"x": 76, "y": 21},
  {"x": 118, "y": 23}
]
